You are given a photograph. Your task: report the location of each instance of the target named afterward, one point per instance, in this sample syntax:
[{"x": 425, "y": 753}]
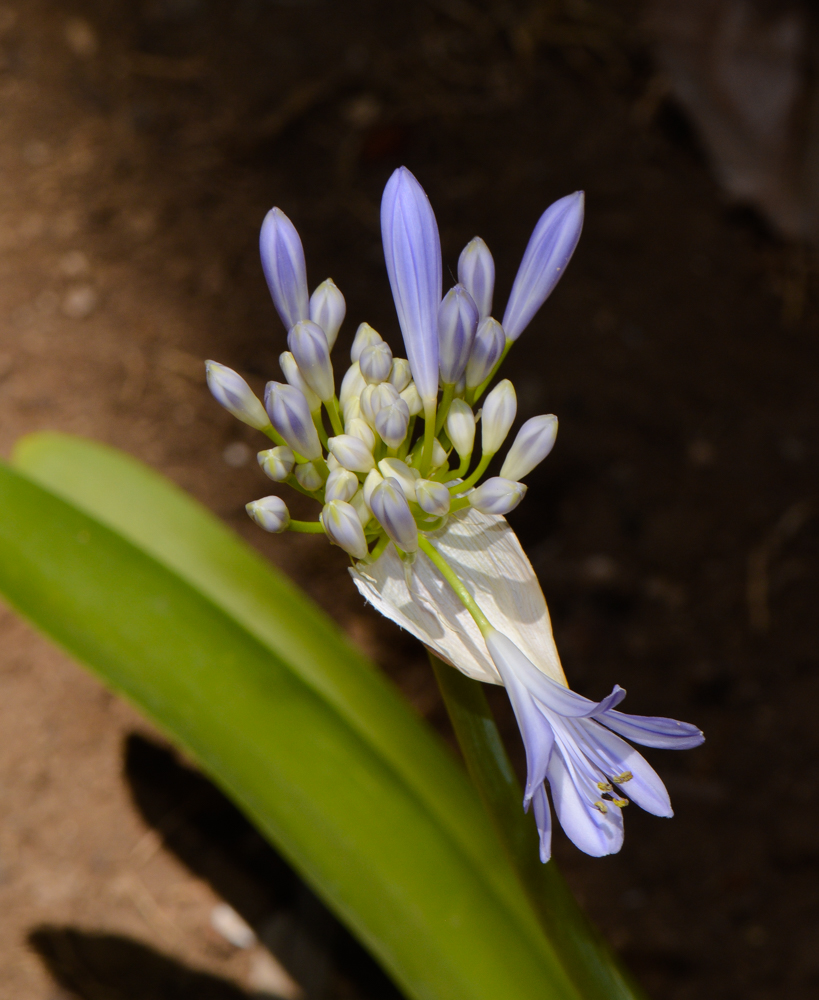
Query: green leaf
[{"x": 169, "y": 607}]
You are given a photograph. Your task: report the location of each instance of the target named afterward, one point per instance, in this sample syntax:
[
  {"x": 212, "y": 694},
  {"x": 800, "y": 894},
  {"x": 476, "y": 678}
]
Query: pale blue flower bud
[
  {"x": 284, "y": 267},
  {"x": 277, "y": 463},
  {"x": 457, "y": 325},
  {"x": 361, "y": 508},
  {"x": 438, "y": 454},
  {"x": 497, "y": 416},
  {"x": 549, "y": 250},
  {"x": 394, "y": 468},
  {"x": 352, "y": 385},
  {"x": 497, "y": 496},
  {"x": 270, "y": 513},
  {"x": 476, "y": 272},
  {"x": 374, "y": 397},
  {"x": 308, "y": 477},
  {"x": 412, "y": 251},
  {"x": 375, "y": 363},
  {"x": 343, "y": 527},
  {"x": 374, "y": 477},
  {"x": 351, "y": 453},
  {"x": 487, "y": 349},
  {"x": 328, "y": 309},
  {"x": 412, "y": 398},
  {"x": 294, "y": 377},
  {"x": 351, "y": 410},
  {"x": 309, "y": 347},
  {"x": 460, "y": 427},
  {"x": 433, "y": 498},
  {"x": 392, "y": 422},
  {"x": 400, "y": 374},
  {"x": 231, "y": 391},
  {"x": 341, "y": 485},
  {"x": 290, "y": 415},
  {"x": 361, "y": 429},
  {"x": 365, "y": 336},
  {"x": 391, "y": 510},
  {"x": 534, "y": 441}
]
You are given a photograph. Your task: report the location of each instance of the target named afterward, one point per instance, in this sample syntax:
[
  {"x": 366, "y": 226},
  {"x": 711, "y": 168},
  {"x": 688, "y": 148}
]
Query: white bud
[
  {"x": 366, "y": 405},
  {"x": 412, "y": 398},
  {"x": 391, "y": 510},
  {"x": 231, "y": 391},
  {"x": 308, "y": 344},
  {"x": 365, "y": 336},
  {"x": 392, "y": 422},
  {"x": 497, "y": 496},
  {"x": 460, "y": 427},
  {"x": 309, "y": 477},
  {"x": 294, "y": 377},
  {"x": 432, "y": 498},
  {"x": 375, "y": 362},
  {"x": 340, "y": 485},
  {"x": 394, "y": 468},
  {"x": 277, "y": 463},
  {"x": 352, "y": 410},
  {"x": 361, "y": 429},
  {"x": 400, "y": 374},
  {"x": 333, "y": 463},
  {"x": 290, "y": 415},
  {"x": 374, "y": 477},
  {"x": 438, "y": 454},
  {"x": 270, "y": 513},
  {"x": 476, "y": 272},
  {"x": 343, "y": 527},
  {"x": 374, "y": 397},
  {"x": 497, "y": 416},
  {"x": 534, "y": 441},
  {"x": 328, "y": 309},
  {"x": 351, "y": 452},
  {"x": 352, "y": 384},
  {"x": 487, "y": 349},
  {"x": 361, "y": 508}
]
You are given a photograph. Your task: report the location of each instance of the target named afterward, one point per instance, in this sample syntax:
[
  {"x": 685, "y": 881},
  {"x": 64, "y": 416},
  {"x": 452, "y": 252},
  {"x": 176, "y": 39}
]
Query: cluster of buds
[{"x": 395, "y": 451}]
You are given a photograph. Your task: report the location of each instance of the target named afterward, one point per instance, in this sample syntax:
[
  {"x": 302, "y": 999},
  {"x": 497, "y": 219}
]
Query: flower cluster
[{"x": 393, "y": 459}]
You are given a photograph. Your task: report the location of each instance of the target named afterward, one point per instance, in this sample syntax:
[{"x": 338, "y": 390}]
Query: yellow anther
[
  {"x": 601, "y": 806},
  {"x": 620, "y": 779},
  {"x": 604, "y": 786},
  {"x": 619, "y": 802}
]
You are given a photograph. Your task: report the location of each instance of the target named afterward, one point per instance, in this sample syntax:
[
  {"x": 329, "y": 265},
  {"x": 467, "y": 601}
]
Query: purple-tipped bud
[
  {"x": 497, "y": 416},
  {"x": 457, "y": 325},
  {"x": 549, "y": 251},
  {"x": 400, "y": 374},
  {"x": 412, "y": 398},
  {"x": 294, "y": 377},
  {"x": 308, "y": 477},
  {"x": 351, "y": 453},
  {"x": 231, "y": 391},
  {"x": 392, "y": 421},
  {"x": 460, "y": 427},
  {"x": 270, "y": 513},
  {"x": 374, "y": 477},
  {"x": 290, "y": 415},
  {"x": 361, "y": 429},
  {"x": 433, "y": 498},
  {"x": 343, "y": 527},
  {"x": 365, "y": 336},
  {"x": 328, "y": 309},
  {"x": 277, "y": 463},
  {"x": 487, "y": 349},
  {"x": 497, "y": 496},
  {"x": 375, "y": 363},
  {"x": 309, "y": 347},
  {"x": 535, "y": 440},
  {"x": 284, "y": 267},
  {"x": 476, "y": 272},
  {"x": 394, "y": 468},
  {"x": 412, "y": 251},
  {"x": 341, "y": 485},
  {"x": 391, "y": 510}
]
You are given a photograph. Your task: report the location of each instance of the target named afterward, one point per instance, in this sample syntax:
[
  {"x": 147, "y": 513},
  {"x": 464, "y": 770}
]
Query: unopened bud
[
  {"x": 365, "y": 336},
  {"x": 392, "y": 422},
  {"x": 498, "y": 416},
  {"x": 328, "y": 309},
  {"x": 361, "y": 429},
  {"x": 284, "y": 268},
  {"x": 476, "y": 272},
  {"x": 374, "y": 477},
  {"x": 497, "y": 496},
  {"x": 457, "y": 324},
  {"x": 391, "y": 510},
  {"x": 487, "y": 349},
  {"x": 290, "y": 415},
  {"x": 394, "y": 468},
  {"x": 231, "y": 391},
  {"x": 351, "y": 452},
  {"x": 361, "y": 508},
  {"x": 351, "y": 410},
  {"x": 294, "y": 377},
  {"x": 277, "y": 463},
  {"x": 412, "y": 398},
  {"x": 460, "y": 427},
  {"x": 343, "y": 527},
  {"x": 308, "y": 477},
  {"x": 374, "y": 397},
  {"x": 309, "y": 347},
  {"x": 352, "y": 384},
  {"x": 375, "y": 362},
  {"x": 341, "y": 485},
  {"x": 534, "y": 441},
  {"x": 438, "y": 454},
  {"x": 333, "y": 463},
  {"x": 270, "y": 513},
  {"x": 400, "y": 374},
  {"x": 433, "y": 498}
]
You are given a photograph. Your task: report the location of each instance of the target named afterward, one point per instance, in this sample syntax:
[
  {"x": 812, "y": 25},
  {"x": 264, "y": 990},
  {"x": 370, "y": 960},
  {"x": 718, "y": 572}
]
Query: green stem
[
  {"x": 449, "y": 575},
  {"x": 273, "y": 434},
  {"x": 477, "y": 393},
  {"x": 443, "y": 407},
  {"x": 319, "y": 424},
  {"x": 429, "y": 435},
  {"x": 480, "y": 468},
  {"x": 460, "y": 472},
  {"x": 380, "y": 545},
  {"x": 331, "y": 405},
  {"x": 306, "y": 527},
  {"x": 582, "y": 952}
]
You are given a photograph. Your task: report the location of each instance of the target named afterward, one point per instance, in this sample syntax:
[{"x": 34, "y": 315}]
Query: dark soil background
[{"x": 674, "y": 528}]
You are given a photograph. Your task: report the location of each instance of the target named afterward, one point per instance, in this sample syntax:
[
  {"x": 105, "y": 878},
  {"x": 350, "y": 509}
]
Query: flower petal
[
  {"x": 653, "y": 731},
  {"x": 594, "y": 832},
  {"x": 543, "y": 819}
]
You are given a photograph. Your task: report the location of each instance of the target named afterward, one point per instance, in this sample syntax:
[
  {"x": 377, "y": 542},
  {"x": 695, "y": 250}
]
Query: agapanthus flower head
[{"x": 401, "y": 486}]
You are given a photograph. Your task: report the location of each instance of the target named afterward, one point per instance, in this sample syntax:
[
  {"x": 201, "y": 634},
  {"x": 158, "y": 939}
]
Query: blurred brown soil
[{"x": 674, "y": 528}]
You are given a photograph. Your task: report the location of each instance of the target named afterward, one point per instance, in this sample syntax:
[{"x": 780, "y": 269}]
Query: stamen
[
  {"x": 601, "y": 806},
  {"x": 622, "y": 803},
  {"x": 620, "y": 779},
  {"x": 604, "y": 786}
]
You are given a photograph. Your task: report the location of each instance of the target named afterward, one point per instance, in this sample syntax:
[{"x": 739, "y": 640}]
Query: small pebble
[
  {"x": 232, "y": 927},
  {"x": 80, "y": 301},
  {"x": 81, "y": 38}
]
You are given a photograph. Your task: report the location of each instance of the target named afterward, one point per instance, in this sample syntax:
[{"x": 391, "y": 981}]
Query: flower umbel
[{"x": 425, "y": 530}]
